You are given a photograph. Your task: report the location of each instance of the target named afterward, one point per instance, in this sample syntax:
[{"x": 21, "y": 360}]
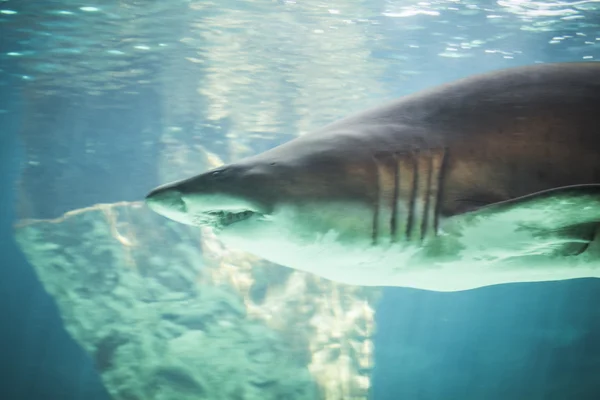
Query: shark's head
[
  {"x": 219, "y": 198},
  {"x": 281, "y": 203}
]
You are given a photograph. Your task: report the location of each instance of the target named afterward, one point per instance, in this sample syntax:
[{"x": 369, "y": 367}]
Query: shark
[{"x": 489, "y": 179}]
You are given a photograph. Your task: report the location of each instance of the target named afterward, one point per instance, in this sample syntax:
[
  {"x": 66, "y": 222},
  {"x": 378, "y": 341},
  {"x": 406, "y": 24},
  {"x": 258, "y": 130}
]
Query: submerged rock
[{"x": 167, "y": 312}]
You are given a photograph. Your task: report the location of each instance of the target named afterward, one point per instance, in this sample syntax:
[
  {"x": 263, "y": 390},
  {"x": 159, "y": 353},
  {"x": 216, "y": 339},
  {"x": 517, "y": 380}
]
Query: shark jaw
[
  {"x": 217, "y": 212},
  {"x": 220, "y": 219}
]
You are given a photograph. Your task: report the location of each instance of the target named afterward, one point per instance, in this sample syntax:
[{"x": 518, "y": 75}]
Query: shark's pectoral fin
[{"x": 561, "y": 222}]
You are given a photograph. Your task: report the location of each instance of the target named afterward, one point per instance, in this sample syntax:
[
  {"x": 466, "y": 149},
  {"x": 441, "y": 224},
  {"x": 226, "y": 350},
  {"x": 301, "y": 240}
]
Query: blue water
[
  {"x": 38, "y": 359},
  {"x": 524, "y": 341}
]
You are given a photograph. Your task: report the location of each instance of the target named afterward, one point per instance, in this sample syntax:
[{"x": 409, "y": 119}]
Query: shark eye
[{"x": 218, "y": 173}]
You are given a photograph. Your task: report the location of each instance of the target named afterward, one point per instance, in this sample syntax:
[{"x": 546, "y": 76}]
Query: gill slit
[
  {"x": 427, "y": 205},
  {"x": 414, "y": 189},
  {"x": 386, "y": 192},
  {"x": 395, "y": 195},
  {"x": 377, "y": 204},
  {"x": 408, "y": 195},
  {"x": 440, "y": 189}
]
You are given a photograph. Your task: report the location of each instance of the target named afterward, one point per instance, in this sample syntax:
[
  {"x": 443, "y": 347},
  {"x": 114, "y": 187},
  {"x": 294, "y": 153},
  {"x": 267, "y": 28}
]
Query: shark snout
[
  {"x": 167, "y": 201},
  {"x": 218, "y": 197}
]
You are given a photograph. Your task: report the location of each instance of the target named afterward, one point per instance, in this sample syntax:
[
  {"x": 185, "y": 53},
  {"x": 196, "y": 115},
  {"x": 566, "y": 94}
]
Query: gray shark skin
[{"x": 487, "y": 180}]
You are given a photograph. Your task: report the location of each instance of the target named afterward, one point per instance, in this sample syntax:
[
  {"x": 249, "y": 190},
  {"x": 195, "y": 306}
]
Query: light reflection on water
[{"x": 268, "y": 68}]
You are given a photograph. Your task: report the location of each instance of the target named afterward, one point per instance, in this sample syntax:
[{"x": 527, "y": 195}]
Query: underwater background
[{"x": 100, "y": 102}]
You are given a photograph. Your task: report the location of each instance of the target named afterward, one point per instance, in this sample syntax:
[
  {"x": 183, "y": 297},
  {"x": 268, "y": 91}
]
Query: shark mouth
[{"x": 221, "y": 219}]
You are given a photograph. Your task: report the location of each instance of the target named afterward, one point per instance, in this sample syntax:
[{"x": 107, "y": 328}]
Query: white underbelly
[
  {"x": 408, "y": 266},
  {"x": 456, "y": 275}
]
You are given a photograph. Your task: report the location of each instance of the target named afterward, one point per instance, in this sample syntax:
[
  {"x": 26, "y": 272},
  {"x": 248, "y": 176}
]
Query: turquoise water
[{"x": 105, "y": 100}]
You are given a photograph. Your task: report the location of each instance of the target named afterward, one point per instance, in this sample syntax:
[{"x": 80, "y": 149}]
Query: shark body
[{"x": 487, "y": 180}]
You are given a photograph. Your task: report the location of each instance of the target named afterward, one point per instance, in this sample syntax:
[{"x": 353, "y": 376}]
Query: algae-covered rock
[{"x": 167, "y": 312}]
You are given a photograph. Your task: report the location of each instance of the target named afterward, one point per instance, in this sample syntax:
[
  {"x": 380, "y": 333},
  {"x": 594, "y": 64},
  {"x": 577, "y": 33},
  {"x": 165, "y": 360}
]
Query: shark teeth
[{"x": 220, "y": 219}]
